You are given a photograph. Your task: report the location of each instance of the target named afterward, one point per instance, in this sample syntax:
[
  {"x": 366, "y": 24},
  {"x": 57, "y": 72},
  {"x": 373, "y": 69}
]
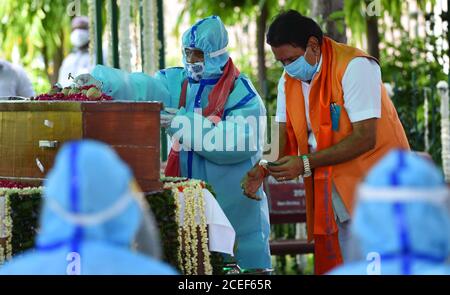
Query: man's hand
[
  {"x": 287, "y": 168},
  {"x": 252, "y": 181}
]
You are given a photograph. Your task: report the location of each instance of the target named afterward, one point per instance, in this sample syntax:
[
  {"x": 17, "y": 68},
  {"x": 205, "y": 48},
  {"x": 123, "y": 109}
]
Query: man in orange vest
[{"x": 336, "y": 120}]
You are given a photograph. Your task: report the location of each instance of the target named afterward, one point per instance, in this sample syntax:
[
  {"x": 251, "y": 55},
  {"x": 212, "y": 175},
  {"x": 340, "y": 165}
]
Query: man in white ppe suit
[{"x": 78, "y": 62}]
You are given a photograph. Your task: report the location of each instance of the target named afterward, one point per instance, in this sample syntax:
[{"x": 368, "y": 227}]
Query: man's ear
[{"x": 314, "y": 44}]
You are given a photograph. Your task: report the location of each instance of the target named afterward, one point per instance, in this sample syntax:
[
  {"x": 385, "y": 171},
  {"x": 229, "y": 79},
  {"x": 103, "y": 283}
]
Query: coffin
[{"x": 32, "y": 131}]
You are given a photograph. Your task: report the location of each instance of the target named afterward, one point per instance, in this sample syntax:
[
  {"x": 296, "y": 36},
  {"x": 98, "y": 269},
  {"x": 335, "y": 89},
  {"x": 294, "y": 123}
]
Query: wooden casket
[{"x": 32, "y": 131}]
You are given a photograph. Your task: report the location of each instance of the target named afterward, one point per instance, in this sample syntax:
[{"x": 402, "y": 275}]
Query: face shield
[{"x": 146, "y": 240}]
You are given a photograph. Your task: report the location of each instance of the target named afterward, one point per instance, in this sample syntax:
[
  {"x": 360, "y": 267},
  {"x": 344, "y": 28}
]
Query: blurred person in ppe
[
  {"x": 402, "y": 221},
  {"x": 211, "y": 91},
  {"x": 92, "y": 216},
  {"x": 14, "y": 81},
  {"x": 79, "y": 61}
]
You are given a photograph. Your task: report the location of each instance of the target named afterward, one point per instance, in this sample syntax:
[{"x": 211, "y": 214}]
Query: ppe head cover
[
  {"x": 210, "y": 36},
  {"x": 91, "y": 196},
  {"x": 402, "y": 210},
  {"x": 301, "y": 69},
  {"x": 80, "y": 22}
]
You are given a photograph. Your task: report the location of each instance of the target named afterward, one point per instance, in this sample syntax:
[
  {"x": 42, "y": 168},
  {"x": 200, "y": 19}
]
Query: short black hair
[{"x": 290, "y": 27}]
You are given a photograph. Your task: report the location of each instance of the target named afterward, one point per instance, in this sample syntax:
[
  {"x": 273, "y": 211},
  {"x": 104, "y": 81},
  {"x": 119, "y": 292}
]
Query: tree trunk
[
  {"x": 373, "y": 36},
  {"x": 260, "y": 40},
  {"x": 58, "y": 58},
  {"x": 322, "y": 9},
  {"x": 46, "y": 62}
]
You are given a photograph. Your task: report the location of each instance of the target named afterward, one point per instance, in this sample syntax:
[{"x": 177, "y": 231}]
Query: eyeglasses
[{"x": 193, "y": 54}]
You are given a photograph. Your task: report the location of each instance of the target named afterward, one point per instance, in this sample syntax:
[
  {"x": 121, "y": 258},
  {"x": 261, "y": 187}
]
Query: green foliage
[
  {"x": 288, "y": 265},
  {"x": 163, "y": 207},
  {"x": 25, "y": 214},
  {"x": 355, "y": 14},
  {"x": 415, "y": 70},
  {"x": 40, "y": 30}
]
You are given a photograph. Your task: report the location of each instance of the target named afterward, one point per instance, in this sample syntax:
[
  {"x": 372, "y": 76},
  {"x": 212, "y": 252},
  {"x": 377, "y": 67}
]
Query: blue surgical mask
[
  {"x": 301, "y": 69},
  {"x": 195, "y": 70}
]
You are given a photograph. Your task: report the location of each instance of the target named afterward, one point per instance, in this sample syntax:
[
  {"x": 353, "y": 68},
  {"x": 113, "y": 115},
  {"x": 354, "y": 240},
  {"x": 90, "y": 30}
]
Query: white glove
[
  {"x": 87, "y": 79},
  {"x": 167, "y": 116},
  {"x": 166, "y": 120}
]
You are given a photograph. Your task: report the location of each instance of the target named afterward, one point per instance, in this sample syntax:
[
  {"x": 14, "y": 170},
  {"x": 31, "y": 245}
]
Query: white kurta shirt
[
  {"x": 76, "y": 63},
  {"x": 361, "y": 85}
]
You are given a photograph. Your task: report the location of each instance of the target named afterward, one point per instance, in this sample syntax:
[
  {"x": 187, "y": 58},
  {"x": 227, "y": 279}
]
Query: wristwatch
[{"x": 306, "y": 167}]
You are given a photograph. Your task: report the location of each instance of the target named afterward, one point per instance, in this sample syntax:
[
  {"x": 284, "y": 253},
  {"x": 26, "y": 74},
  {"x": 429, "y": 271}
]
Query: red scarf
[{"x": 213, "y": 111}]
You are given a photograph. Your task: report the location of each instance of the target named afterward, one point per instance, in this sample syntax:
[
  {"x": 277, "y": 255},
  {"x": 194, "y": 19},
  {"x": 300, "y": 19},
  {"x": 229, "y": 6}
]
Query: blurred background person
[
  {"x": 79, "y": 61},
  {"x": 402, "y": 221},
  {"x": 93, "y": 213},
  {"x": 14, "y": 80}
]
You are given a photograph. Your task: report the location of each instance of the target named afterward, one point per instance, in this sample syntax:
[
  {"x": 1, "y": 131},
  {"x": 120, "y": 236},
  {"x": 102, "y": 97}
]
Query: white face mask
[
  {"x": 79, "y": 37},
  {"x": 195, "y": 70}
]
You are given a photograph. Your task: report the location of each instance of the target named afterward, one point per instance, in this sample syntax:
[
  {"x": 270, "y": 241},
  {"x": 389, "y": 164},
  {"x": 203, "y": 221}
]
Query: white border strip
[{"x": 389, "y": 194}]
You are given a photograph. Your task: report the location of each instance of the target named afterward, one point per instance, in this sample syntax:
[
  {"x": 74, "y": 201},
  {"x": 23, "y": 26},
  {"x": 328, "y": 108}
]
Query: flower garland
[
  {"x": 445, "y": 129},
  {"x": 204, "y": 235},
  {"x": 3, "y": 231},
  {"x": 6, "y": 222},
  {"x": 124, "y": 35},
  {"x": 92, "y": 29},
  {"x": 137, "y": 67},
  {"x": 187, "y": 233},
  {"x": 190, "y": 231},
  {"x": 426, "y": 109},
  {"x": 109, "y": 32},
  {"x": 2, "y": 255},
  {"x": 150, "y": 41}
]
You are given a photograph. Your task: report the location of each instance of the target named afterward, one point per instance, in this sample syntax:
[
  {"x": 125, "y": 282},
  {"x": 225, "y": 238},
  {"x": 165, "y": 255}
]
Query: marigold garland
[
  {"x": 124, "y": 35},
  {"x": 92, "y": 33}
]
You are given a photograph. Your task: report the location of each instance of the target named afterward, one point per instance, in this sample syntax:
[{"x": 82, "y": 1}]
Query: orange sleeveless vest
[{"x": 327, "y": 89}]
